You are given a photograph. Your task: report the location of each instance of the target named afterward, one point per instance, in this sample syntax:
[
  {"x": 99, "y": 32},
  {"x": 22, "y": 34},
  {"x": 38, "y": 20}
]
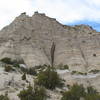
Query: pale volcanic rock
[{"x": 31, "y": 39}]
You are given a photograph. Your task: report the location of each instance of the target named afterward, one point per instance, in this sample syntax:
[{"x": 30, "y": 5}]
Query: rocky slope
[
  {"x": 33, "y": 38},
  {"x": 40, "y": 40}
]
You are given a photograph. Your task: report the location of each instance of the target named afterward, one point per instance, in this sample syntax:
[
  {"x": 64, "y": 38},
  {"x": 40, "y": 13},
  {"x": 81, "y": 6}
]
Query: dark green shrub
[
  {"x": 6, "y": 60},
  {"x": 27, "y": 94},
  {"x": 49, "y": 79},
  {"x": 81, "y": 73},
  {"x": 75, "y": 93},
  {"x": 92, "y": 94},
  {"x": 62, "y": 67},
  {"x": 78, "y": 91},
  {"x": 66, "y": 67},
  {"x": 4, "y": 97},
  {"x": 92, "y": 97},
  {"x": 31, "y": 71},
  {"x": 24, "y": 76},
  {"x": 73, "y": 72},
  {"x": 38, "y": 93},
  {"x": 14, "y": 63},
  {"x": 76, "y": 72},
  {"x": 68, "y": 96},
  {"x": 91, "y": 90},
  {"x": 8, "y": 68},
  {"x": 94, "y": 71}
]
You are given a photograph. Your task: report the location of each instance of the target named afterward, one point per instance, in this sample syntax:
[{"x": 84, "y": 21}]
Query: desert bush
[
  {"x": 81, "y": 73},
  {"x": 49, "y": 79},
  {"x": 38, "y": 93},
  {"x": 92, "y": 94},
  {"x": 75, "y": 93},
  {"x": 91, "y": 90},
  {"x": 73, "y": 72},
  {"x": 94, "y": 71},
  {"x": 26, "y": 94},
  {"x": 30, "y": 71},
  {"x": 14, "y": 63},
  {"x": 66, "y": 67},
  {"x": 6, "y": 60},
  {"x": 68, "y": 96},
  {"x": 62, "y": 67},
  {"x": 24, "y": 76},
  {"x": 77, "y": 72},
  {"x": 92, "y": 97},
  {"x": 78, "y": 91},
  {"x": 8, "y": 68},
  {"x": 4, "y": 97}
]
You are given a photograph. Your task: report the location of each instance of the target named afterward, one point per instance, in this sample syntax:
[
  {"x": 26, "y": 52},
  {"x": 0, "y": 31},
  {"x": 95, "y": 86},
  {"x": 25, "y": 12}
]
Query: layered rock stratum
[{"x": 32, "y": 39}]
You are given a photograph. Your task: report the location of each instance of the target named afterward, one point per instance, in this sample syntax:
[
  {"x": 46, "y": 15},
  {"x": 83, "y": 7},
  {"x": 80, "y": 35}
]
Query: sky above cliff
[{"x": 69, "y": 12}]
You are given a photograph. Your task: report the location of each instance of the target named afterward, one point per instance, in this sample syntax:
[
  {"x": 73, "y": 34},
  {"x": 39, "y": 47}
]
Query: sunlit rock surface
[{"x": 31, "y": 39}]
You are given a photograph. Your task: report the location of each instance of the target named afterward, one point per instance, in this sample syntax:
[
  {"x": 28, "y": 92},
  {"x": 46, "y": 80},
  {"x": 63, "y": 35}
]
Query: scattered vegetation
[
  {"x": 92, "y": 94},
  {"x": 49, "y": 79},
  {"x": 78, "y": 91},
  {"x": 10, "y": 65},
  {"x": 24, "y": 76},
  {"x": 38, "y": 93},
  {"x": 91, "y": 90},
  {"x": 8, "y": 68},
  {"x": 76, "y": 72},
  {"x": 30, "y": 71},
  {"x": 4, "y": 97},
  {"x": 6, "y": 60},
  {"x": 14, "y": 63},
  {"x": 62, "y": 67},
  {"x": 94, "y": 71},
  {"x": 92, "y": 97},
  {"x": 75, "y": 92}
]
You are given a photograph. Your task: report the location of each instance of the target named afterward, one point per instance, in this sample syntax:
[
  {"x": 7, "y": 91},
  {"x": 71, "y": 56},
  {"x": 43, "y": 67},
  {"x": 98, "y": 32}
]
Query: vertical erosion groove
[{"x": 52, "y": 53}]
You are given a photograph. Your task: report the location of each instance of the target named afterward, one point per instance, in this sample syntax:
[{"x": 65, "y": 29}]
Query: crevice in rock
[{"x": 52, "y": 53}]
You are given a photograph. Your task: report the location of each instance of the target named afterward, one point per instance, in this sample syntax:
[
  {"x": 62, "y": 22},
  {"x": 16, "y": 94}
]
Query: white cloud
[
  {"x": 66, "y": 11},
  {"x": 71, "y": 10},
  {"x": 9, "y": 9}
]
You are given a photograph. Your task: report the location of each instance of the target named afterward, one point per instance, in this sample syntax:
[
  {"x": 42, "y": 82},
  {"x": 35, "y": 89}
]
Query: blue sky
[{"x": 69, "y": 12}]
